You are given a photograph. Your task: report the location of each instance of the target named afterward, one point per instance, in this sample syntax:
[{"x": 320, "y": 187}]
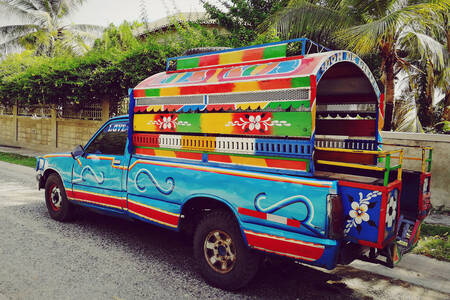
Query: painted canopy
[{"x": 254, "y": 79}]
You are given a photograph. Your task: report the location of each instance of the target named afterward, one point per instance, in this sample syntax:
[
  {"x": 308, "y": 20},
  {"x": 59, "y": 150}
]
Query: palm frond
[{"x": 425, "y": 47}]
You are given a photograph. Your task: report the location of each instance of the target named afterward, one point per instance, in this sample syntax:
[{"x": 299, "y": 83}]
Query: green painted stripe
[
  {"x": 300, "y": 82},
  {"x": 192, "y": 123},
  {"x": 187, "y": 63},
  {"x": 299, "y": 123},
  {"x": 248, "y": 71},
  {"x": 275, "y": 51},
  {"x": 287, "y": 104},
  {"x": 152, "y": 92}
]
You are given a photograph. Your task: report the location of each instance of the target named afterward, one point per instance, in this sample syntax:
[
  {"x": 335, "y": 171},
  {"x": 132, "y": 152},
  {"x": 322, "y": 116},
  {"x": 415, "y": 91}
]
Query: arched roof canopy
[{"x": 345, "y": 83}]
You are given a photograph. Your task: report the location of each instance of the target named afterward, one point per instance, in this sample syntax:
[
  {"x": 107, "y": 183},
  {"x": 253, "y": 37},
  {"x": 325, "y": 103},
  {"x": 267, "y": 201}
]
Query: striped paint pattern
[
  {"x": 225, "y": 107},
  {"x": 269, "y": 217},
  {"x": 219, "y": 88},
  {"x": 235, "y": 172},
  {"x": 237, "y": 145},
  {"x": 142, "y": 210},
  {"x": 294, "y": 124},
  {"x": 283, "y": 246},
  {"x": 286, "y": 164},
  {"x": 232, "y": 57}
]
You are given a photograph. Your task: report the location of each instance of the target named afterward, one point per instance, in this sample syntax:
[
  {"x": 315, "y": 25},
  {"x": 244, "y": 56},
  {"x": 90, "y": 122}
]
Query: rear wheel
[
  {"x": 224, "y": 259},
  {"x": 58, "y": 206}
]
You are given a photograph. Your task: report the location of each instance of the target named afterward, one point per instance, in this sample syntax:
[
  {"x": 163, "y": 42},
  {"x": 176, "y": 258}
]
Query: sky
[{"x": 104, "y": 12}]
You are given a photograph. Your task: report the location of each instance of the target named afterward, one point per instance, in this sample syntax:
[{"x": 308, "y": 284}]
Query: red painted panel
[
  {"x": 153, "y": 214},
  {"x": 286, "y": 164},
  {"x": 293, "y": 223},
  {"x": 138, "y": 93},
  {"x": 252, "y": 213},
  {"x": 285, "y": 246},
  {"x": 189, "y": 155},
  {"x": 346, "y": 127},
  {"x": 208, "y": 60},
  {"x": 217, "y": 107},
  {"x": 253, "y": 54},
  {"x": 146, "y": 140},
  {"x": 95, "y": 198},
  {"x": 145, "y": 151},
  {"x": 275, "y": 84},
  {"x": 358, "y": 158}
]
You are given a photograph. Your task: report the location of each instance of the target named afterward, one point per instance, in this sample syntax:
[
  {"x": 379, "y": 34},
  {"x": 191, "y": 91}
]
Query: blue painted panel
[
  {"x": 301, "y": 199},
  {"x": 362, "y": 211}
]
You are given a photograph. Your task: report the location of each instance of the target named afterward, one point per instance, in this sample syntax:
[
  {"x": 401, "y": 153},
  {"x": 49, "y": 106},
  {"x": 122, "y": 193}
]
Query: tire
[
  {"x": 58, "y": 206},
  {"x": 224, "y": 259}
]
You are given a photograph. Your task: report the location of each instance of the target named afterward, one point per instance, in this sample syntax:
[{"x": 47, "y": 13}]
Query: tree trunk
[{"x": 389, "y": 93}]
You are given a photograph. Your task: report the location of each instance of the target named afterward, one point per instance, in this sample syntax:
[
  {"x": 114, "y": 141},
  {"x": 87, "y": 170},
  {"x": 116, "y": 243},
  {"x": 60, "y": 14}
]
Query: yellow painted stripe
[
  {"x": 246, "y": 86},
  {"x": 216, "y": 123},
  {"x": 230, "y": 57},
  {"x": 254, "y": 105},
  {"x": 154, "y": 108},
  {"x": 335, "y": 163},
  {"x": 172, "y": 91},
  {"x": 165, "y": 153},
  {"x": 144, "y": 123},
  {"x": 248, "y": 161},
  {"x": 204, "y": 143},
  {"x": 56, "y": 155}
]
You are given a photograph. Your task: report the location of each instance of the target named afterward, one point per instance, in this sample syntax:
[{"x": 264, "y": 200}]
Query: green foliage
[
  {"x": 118, "y": 62},
  {"x": 434, "y": 242},
  {"x": 242, "y": 17}
]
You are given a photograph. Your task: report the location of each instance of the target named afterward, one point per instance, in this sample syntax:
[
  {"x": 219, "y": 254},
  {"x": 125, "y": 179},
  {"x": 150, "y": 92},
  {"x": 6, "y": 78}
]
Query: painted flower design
[
  {"x": 255, "y": 122},
  {"x": 167, "y": 123},
  {"x": 359, "y": 212},
  {"x": 391, "y": 211}
]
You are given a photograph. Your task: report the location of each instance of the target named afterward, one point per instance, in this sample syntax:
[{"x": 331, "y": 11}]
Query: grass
[
  {"x": 434, "y": 242},
  {"x": 18, "y": 159}
]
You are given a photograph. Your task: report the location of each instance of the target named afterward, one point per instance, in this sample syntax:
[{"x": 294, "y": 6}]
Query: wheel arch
[
  {"x": 196, "y": 206},
  {"x": 46, "y": 175}
]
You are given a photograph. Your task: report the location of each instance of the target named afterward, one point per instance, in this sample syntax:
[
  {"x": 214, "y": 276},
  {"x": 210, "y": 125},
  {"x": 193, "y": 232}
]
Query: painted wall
[{"x": 440, "y": 168}]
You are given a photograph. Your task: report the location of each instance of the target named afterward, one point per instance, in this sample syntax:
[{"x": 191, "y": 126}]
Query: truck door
[{"x": 97, "y": 174}]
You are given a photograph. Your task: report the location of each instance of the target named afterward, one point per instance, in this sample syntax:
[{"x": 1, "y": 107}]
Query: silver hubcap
[
  {"x": 56, "y": 197},
  {"x": 219, "y": 251}
]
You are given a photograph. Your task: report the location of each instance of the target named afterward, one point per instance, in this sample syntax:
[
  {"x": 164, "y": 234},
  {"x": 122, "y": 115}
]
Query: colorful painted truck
[{"x": 266, "y": 149}]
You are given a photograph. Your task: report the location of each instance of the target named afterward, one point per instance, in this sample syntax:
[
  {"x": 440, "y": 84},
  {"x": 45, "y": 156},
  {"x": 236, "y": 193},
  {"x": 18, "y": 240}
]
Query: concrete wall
[
  {"x": 48, "y": 134},
  {"x": 440, "y": 167}
]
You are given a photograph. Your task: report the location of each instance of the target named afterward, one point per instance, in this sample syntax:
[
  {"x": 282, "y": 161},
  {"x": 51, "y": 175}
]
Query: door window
[{"x": 111, "y": 140}]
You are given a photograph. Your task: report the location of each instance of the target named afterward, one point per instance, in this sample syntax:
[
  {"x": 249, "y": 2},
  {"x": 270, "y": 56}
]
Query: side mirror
[{"x": 78, "y": 151}]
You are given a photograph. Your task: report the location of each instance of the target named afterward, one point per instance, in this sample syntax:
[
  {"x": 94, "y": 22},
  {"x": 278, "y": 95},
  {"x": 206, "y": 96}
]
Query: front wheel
[
  {"x": 58, "y": 206},
  {"x": 224, "y": 259}
]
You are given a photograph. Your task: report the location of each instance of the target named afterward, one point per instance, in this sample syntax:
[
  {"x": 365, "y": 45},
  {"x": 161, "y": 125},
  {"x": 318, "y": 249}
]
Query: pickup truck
[{"x": 252, "y": 151}]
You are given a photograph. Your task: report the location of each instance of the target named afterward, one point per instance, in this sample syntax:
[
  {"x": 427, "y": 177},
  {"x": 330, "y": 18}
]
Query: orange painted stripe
[{"x": 145, "y": 151}]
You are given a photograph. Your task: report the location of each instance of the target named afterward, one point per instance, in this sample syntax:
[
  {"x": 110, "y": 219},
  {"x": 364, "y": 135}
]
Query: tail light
[{"x": 335, "y": 212}]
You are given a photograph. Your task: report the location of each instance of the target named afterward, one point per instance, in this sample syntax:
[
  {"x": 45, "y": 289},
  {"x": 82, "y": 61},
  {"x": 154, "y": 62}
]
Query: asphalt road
[{"x": 99, "y": 257}]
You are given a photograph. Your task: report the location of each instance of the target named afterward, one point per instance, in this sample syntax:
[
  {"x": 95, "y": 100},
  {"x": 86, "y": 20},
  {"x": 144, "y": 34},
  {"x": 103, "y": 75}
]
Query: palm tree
[
  {"x": 43, "y": 28},
  {"x": 391, "y": 28}
]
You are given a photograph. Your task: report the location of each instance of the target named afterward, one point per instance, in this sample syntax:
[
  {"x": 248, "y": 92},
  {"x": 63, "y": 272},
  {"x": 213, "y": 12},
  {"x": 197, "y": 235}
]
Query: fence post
[
  {"x": 105, "y": 110},
  {"x": 54, "y": 128},
  {"x": 15, "y": 112}
]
